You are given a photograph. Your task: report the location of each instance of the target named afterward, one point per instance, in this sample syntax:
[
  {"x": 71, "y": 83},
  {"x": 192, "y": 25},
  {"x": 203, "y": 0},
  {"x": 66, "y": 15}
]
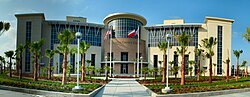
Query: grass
[
  {"x": 46, "y": 85},
  {"x": 203, "y": 86}
]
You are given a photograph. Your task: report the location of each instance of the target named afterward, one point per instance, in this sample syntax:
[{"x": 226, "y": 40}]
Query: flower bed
[
  {"x": 46, "y": 85},
  {"x": 191, "y": 87}
]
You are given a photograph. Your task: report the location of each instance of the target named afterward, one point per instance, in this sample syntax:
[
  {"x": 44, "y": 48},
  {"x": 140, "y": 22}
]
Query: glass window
[{"x": 219, "y": 50}]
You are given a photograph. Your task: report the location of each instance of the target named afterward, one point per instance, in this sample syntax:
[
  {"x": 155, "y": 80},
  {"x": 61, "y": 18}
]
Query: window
[
  {"x": 124, "y": 56},
  {"x": 156, "y": 35},
  {"x": 60, "y": 63},
  {"x": 92, "y": 59},
  {"x": 27, "y": 50},
  {"x": 175, "y": 60},
  {"x": 124, "y": 66},
  {"x": 219, "y": 50},
  {"x": 108, "y": 55},
  {"x": 156, "y": 61},
  {"x": 72, "y": 62}
]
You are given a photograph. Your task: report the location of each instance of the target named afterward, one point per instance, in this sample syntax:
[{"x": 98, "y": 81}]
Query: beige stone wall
[
  {"x": 124, "y": 45},
  {"x": 208, "y": 29},
  {"x": 36, "y": 31}
]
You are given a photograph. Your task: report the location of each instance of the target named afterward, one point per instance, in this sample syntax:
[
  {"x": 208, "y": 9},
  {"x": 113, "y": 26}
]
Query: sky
[{"x": 155, "y": 11}]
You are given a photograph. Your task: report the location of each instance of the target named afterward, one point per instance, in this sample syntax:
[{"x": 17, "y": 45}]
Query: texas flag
[
  {"x": 107, "y": 34},
  {"x": 133, "y": 33}
]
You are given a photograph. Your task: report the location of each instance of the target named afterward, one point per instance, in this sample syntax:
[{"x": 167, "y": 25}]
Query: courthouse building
[{"x": 34, "y": 26}]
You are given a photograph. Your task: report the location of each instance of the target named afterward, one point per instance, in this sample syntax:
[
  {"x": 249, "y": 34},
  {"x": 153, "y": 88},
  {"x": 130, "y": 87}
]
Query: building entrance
[{"x": 124, "y": 68}]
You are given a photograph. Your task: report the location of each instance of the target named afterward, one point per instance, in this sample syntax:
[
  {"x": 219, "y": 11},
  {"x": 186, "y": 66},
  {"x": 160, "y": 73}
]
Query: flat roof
[
  {"x": 174, "y": 25},
  {"x": 110, "y": 17},
  {"x": 218, "y": 19},
  {"x": 30, "y": 14}
]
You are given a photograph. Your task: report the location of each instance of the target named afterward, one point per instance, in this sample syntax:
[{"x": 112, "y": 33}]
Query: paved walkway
[{"x": 123, "y": 88}]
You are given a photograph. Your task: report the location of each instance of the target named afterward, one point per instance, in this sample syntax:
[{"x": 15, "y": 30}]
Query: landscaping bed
[
  {"x": 46, "y": 85},
  {"x": 190, "y": 86}
]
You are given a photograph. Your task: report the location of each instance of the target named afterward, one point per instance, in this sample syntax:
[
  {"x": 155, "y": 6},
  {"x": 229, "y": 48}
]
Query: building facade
[{"x": 33, "y": 27}]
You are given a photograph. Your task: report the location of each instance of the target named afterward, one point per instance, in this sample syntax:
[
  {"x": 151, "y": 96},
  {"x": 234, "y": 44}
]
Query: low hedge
[
  {"x": 201, "y": 86},
  {"x": 46, "y": 85}
]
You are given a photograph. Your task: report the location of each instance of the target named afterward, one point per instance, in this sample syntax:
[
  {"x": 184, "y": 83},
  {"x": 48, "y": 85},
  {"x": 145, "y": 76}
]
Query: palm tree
[
  {"x": 1, "y": 65},
  {"x": 49, "y": 54},
  {"x": 35, "y": 48},
  {"x": 198, "y": 53},
  {"x": 19, "y": 53},
  {"x": 244, "y": 64},
  {"x": 163, "y": 47},
  {"x": 145, "y": 70},
  {"x": 191, "y": 63},
  {"x": 175, "y": 71},
  {"x": 171, "y": 65},
  {"x": 4, "y": 27},
  {"x": 183, "y": 39},
  {"x": 247, "y": 37},
  {"x": 83, "y": 49},
  {"x": 237, "y": 55},
  {"x": 90, "y": 69},
  {"x": 160, "y": 69},
  {"x": 227, "y": 62},
  {"x": 98, "y": 70},
  {"x": 65, "y": 37},
  {"x": 155, "y": 70},
  {"x": 10, "y": 54},
  {"x": 209, "y": 44},
  {"x": 88, "y": 61}
]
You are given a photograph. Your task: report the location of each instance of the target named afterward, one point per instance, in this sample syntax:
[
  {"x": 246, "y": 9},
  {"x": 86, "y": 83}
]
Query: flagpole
[
  {"x": 138, "y": 52},
  {"x": 110, "y": 52}
]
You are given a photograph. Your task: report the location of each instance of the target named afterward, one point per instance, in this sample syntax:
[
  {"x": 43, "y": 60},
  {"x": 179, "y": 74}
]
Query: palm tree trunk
[
  {"x": 38, "y": 68},
  {"x": 1, "y": 67},
  {"x": 49, "y": 70},
  {"x": 199, "y": 70},
  {"x": 227, "y": 72},
  {"x": 10, "y": 68},
  {"x": 35, "y": 69},
  {"x": 64, "y": 80},
  {"x": 20, "y": 67},
  {"x": 17, "y": 67},
  {"x": 183, "y": 69},
  {"x": 210, "y": 70},
  {"x": 237, "y": 71},
  {"x": 246, "y": 71},
  {"x": 164, "y": 68},
  {"x": 83, "y": 67}
]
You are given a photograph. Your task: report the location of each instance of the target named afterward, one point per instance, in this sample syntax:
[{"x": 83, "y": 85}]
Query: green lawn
[
  {"x": 195, "y": 86},
  {"x": 46, "y": 85}
]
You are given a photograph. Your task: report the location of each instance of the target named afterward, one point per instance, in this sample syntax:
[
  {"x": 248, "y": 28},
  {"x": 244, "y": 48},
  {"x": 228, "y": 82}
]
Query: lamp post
[
  {"x": 78, "y": 36},
  {"x": 141, "y": 64},
  {"x": 167, "y": 89},
  {"x": 106, "y": 72}
]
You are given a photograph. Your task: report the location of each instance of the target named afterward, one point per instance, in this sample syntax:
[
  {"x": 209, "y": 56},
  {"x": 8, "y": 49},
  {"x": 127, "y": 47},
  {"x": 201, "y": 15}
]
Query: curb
[
  {"x": 50, "y": 93},
  {"x": 198, "y": 94}
]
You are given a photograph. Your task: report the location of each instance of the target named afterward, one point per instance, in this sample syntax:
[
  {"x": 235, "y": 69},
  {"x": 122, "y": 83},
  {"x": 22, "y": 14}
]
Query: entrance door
[{"x": 124, "y": 68}]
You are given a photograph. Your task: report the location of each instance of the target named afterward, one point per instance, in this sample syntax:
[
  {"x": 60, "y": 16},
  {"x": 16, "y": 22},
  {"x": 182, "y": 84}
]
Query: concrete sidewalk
[{"x": 123, "y": 88}]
